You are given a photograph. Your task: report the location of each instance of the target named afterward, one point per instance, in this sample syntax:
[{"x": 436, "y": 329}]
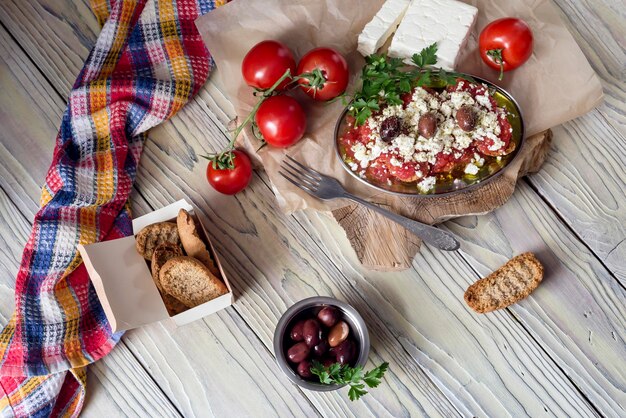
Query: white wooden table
[{"x": 562, "y": 352}]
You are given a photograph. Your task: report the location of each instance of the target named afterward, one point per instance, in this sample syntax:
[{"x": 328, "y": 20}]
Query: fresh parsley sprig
[
  {"x": 352, "y": 376},
  {"x": 386, "y": 79}
]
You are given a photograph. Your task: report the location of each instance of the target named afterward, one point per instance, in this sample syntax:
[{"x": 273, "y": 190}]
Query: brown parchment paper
[{"x": 556, "y": 84}]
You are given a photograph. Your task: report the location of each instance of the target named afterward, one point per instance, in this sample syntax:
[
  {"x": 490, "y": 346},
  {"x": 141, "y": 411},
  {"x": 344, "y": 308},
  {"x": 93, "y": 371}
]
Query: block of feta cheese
[
  {"x": 378, "y": 30},
  {"x": 446, "y": 22}
]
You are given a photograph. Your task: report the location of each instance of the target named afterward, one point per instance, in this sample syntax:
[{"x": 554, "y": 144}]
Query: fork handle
[{"x": 428, "y": 233}]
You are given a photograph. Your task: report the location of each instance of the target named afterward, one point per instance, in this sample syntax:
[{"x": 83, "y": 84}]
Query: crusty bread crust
[
  {"x": 173, "y": 305},
  {"x": 193, "y": 245},
  {"x": 160, "y": 256},
  {"x": 511, "y": 283},
  {"x": 153, "y": 235},
  {"x": 190, "y": 281}
]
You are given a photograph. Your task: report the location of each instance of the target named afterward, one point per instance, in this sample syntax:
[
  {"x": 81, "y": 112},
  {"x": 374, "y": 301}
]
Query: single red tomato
[
  {"x": 281, "y": 121},
  {"x": 266, "y": 63},
  {"x": 505, "y": 44},
  {"x": 231, "y": 180},
  {"x": 326, "y": 73}
]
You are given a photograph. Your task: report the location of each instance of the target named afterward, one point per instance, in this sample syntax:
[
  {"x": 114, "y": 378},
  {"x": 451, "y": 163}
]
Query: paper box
[{"x": 123, "y": 281}]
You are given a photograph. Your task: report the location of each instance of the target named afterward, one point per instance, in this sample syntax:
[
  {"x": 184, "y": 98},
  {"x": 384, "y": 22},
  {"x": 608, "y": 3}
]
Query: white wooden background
[{"x": 561, "y": 352}]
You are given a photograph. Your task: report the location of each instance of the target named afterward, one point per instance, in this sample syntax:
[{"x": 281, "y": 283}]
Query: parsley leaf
[
  {"x": 356, "y": 391},
  {"x": 372, "y": 378},
  {"x": 427, "y": 56},
  {"x": 352, "y": 376},
  {"x": 384, "y": 80}
]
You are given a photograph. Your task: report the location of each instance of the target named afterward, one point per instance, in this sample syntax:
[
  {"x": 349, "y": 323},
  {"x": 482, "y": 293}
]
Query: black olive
[
  {"x": 390, "y": 128},
  {"x": 466, "y": 118}
]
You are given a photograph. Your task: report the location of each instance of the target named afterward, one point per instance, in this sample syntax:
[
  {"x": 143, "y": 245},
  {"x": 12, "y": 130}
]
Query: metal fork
[{"x": 326, "y": 188}]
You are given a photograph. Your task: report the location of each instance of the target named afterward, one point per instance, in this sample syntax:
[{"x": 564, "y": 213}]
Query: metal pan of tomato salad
[{"x": 442, "y": 140}]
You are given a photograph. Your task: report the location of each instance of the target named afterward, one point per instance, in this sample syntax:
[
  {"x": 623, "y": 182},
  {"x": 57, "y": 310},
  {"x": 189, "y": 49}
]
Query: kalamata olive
[
  {"x": 311, "y": 331},
  {"x": 328, "y": 316},
  {"x": 298, "y": 352},
  {"x": 328, "y": 361},
  {"x": 390, "y": 128},
  {"x": 427, "y": 125},
  {"x": 304, "y": 369},
  {"x": 321, "y": 348},
  {"x": 296, "y": 331},
  {"x": 338, "y": 333},
  {"x": 466, "y": 118},
  {"x": 345, "y": 352}
]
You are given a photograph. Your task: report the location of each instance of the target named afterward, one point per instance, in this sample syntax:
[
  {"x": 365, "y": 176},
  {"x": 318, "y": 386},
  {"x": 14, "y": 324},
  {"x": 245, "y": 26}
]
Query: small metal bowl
[
  {"x": 293, "y": 314},
  {"x": 448, "y": 186}
]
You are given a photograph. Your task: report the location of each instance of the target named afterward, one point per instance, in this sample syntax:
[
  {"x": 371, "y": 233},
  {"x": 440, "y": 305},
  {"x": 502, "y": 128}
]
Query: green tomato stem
[
  {"x": 267, "y": 93},
  {"x": 496, "y": 54}
]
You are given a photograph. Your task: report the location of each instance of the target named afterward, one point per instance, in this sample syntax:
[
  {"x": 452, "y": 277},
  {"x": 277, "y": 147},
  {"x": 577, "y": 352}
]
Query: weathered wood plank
[
  {"x": 117, "y": 383},
  {"x": 55, "y": 56},
  {"x": 598, "y": 27},
  {"x": 270, "y": 263},
  {"x": 584, "y": 180},
  {"x": 155, "y": 166},
  {"x": 204, "y": 357},
  {"x": 428, "y": 398},
  {"x": 120, "y": 383},
  {"x": 578, "y": 313},
  {"x": 551, "y": 319}
]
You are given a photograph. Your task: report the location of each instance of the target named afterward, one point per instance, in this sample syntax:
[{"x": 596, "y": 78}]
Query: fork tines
[{"x": 300, "y": 175}]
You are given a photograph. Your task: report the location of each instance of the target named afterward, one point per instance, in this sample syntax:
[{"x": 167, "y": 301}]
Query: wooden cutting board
[{"x": 381, "y": 244}]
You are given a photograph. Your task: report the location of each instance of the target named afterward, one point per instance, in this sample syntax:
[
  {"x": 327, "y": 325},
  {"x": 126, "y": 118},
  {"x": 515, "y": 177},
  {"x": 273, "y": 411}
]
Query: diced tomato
[
  {"x": 355, "y": 135},
  {"x": 406, "y": 99},
  {"x": 407, "y": 172},
  {"x": 378, "y": 171},
  {"x": 448, "y": 162}
]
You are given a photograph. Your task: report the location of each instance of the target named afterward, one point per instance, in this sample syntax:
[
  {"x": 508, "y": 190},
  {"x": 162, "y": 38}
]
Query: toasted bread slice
[
  {"x": 160, "y": 256},
  {"x": 153, "y": 235},
  {"x": 193, "y": 245},
  {"x": 173, "y": 305},
  {"x": 509, "y": 284},
  {"x": 190, "y": 281}
]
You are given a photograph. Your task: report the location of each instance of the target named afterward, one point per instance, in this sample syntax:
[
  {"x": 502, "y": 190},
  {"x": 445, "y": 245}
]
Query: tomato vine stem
[
  {"x": 224, "y": 159},
  {"x": 496, "y": 55}
]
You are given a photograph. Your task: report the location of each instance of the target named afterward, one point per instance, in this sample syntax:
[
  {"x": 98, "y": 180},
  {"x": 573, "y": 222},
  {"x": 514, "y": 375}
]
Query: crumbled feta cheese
[
  {"x": 483, "y": 100},
  {"x": 478, "y": 160},
  {"x": 445, "y": 109},
  {"x": 426, "y": 184},
  {"x": 462, "y": 139},
  {"x": 393, "y": 111},
  {"x": 405, "y": 145},
  {"x": 471, "y": 169},
  {"x": 394, "y": 161},
  {"x": 460, "y": 98},
  {"x": 420, "y": 157}
]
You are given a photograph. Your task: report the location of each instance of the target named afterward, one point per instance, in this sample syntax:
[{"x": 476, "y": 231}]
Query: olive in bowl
[{"x": 321, "y": 329}]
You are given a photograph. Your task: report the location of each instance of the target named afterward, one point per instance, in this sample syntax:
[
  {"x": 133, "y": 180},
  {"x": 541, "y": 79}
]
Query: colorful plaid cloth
[{"x": 147, "y": 63}]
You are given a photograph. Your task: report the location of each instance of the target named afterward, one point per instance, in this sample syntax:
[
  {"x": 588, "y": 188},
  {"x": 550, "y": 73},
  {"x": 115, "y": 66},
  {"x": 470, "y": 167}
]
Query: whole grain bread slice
[
  {"x": 160, "y": 256},
  {"x": 511, "y": 283},
  {"x": 190, "y": 281},
  {"x": 173, "y": 305},
  {"x": 192, "y": 243},
  {"x": 155, "y": 234}
]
